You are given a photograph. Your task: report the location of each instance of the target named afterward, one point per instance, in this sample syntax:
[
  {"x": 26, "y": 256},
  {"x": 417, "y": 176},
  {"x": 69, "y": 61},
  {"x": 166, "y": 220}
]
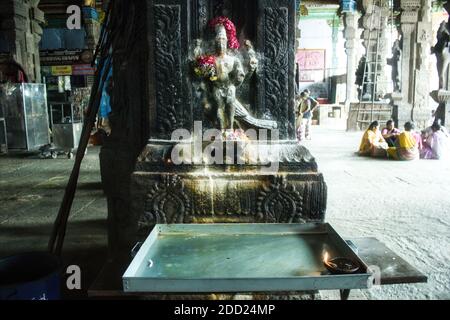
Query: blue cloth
[{"x": 105, "y": 104}]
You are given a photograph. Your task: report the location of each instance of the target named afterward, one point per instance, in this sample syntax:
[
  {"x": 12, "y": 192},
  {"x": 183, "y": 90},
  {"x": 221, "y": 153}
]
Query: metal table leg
[{"x": 345, "y": 294}]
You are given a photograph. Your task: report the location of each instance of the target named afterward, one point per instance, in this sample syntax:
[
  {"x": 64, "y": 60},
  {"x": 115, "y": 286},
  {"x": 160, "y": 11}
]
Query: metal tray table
[{"x": 241, "y": 258}]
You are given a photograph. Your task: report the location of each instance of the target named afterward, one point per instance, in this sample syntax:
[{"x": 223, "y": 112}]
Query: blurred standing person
[
  {"x": 303, "y": 106},
  {"x": 308, "y": 116}
]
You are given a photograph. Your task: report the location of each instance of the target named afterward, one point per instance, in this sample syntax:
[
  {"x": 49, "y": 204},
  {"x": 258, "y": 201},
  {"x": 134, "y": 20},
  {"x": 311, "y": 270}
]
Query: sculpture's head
[
  {"x": 225, "y": 30},
  {"x": 221, "y": 39}
]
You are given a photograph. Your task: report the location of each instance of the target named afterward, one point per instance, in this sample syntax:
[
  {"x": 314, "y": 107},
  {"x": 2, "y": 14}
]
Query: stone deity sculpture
[
  {"x": 442, "y": 52},
  {"x": 396, "y": 64},
  {"x": 222, "y": 73}
]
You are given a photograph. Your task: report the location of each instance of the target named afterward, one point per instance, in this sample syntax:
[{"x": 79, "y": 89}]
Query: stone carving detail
[
  {"x": 168, "y": 68},
  {"x": 202, "y": 14},
  {"x": 200, "y": 18},
  {"x": 276, "y": 66},
  {"x": 167, "y": 202},
  {"x": 396, "y": 64},
  {"x": 443, "y": 54},
  {"x": 218, "y": 7},
  {"x": 280, "y": 202},
  {"x": 315, "y": 196}
]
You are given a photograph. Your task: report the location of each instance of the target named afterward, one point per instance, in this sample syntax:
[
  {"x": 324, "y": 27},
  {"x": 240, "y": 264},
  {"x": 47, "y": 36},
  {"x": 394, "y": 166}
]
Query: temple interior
[{"x": 225, "y": 149}]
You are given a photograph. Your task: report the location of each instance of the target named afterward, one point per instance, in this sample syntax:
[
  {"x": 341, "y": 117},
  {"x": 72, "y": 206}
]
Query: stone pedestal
[
  {"x": 443, "y": 98},
  {"x": 295, "y": 192}
]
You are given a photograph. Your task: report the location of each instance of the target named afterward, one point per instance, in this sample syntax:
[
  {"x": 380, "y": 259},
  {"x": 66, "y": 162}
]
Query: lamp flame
[{"x": 325, "y": 256}]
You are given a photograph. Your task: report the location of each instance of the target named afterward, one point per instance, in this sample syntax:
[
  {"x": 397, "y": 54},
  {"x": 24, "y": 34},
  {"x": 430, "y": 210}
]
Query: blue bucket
[{"x": 30, "y": 276}]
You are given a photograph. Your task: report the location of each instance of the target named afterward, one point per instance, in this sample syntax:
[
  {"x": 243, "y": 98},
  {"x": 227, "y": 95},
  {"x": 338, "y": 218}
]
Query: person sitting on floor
[
  {"x": 429, "y": 131},
  {"x": 390, "y": 133},
  {"x": 436, "y": 145},
  {"x": 373, "y": 143},
  {"x": 418, "y": 136},
  {"x": 406, "y": 146}
]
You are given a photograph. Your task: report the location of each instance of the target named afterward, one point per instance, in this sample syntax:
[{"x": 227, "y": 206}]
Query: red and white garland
[{"x": 230, "y": 28}]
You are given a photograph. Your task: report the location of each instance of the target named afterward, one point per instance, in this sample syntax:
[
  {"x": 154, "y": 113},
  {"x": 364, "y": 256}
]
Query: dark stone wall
[
  {"x": 276, "y": 39},
  {"x": 20, "y": 28}
]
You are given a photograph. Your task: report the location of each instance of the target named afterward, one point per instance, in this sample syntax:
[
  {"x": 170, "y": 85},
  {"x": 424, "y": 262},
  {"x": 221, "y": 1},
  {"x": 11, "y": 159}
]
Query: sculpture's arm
[
  {"x": 251, "y": 58},
  {"x": 239, "y": 72}
]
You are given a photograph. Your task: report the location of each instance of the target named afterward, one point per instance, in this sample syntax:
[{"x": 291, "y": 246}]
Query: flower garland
[
  {"x": 230, "y": 28},
  {"x": 205, "y": 67}
]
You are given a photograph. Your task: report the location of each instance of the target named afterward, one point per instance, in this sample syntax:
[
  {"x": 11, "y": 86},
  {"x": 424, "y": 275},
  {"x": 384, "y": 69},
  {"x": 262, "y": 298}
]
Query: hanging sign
[
  {"x": 82, "y": 70},
  {"x": 62, "y": 70}
]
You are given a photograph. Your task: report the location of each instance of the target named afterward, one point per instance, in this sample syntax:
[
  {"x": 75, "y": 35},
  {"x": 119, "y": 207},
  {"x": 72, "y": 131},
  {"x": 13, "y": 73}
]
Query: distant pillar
[
  {"x": 350, "y": 34},
  {"x": 375, "y": 40},
  {"x": 413, "y": 102}
]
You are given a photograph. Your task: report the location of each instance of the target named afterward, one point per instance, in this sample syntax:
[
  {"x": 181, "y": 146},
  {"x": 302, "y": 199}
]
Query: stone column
[
  {"x": 413, "y": 102},
  {"x": 21, "y": 26},
  {"x": 374, "y": 39},
  {"x": 421, "y": 111},
  {"x": 402, "y": 101},
  {"x": 350, "y": 35},
  {"x": 442, "y": 96}
]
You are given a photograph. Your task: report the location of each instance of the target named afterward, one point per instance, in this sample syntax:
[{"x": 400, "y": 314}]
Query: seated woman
[
  {"x": 390, "y": 133},
  {"x": 436, "y": 146},
  {"x": 373, "y": 143},
  {"x": 406, "y": 145},
  {"x": 418, "y": 137}
]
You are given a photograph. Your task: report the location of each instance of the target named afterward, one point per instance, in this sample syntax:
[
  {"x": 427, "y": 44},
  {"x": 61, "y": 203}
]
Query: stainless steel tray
[{"x": 204, "y": 258}]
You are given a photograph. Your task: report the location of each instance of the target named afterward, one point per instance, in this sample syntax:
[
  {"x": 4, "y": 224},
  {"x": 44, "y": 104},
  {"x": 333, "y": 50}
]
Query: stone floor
[
  {"x": 31, "y": 190},
  {"x": 404, "y": 204}
]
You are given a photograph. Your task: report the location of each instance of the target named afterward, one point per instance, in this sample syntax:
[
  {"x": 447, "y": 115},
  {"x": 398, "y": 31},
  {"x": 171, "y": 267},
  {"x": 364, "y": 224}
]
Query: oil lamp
[{"x": 340, "y": 265}]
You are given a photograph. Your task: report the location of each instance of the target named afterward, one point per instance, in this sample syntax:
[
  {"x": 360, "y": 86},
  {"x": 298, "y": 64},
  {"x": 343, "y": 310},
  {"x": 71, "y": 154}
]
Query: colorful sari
[
  {"x": 406, "y": 147},
  {"x": 436, "y": 146},
  {"x": 373, "y": 144}
]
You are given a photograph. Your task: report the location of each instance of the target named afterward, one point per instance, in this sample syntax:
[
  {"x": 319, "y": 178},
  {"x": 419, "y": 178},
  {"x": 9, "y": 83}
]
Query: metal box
[
  {"x": 67, "y": 136},
  {"x": 67, "y": 124},
  {"x": 218, "y": 258},
  {"x": 26, "y": 116}
]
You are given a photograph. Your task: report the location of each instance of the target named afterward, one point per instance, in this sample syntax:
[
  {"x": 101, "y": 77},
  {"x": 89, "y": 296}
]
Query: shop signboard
[
  {"x": 311, "y": 63},
  {"x": 82, "y": 70},
  {"x": 61, "y": 70},
  {"x": 65, "y": 57}
]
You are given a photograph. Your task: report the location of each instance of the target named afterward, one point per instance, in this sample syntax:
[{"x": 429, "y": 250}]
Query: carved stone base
[
  {"x": 302, "y": 295},
  {"x": 227, "y": 193}
]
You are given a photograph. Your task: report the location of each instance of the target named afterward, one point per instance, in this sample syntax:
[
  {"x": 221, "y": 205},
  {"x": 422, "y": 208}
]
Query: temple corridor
[{"x": 401, "y": 203}]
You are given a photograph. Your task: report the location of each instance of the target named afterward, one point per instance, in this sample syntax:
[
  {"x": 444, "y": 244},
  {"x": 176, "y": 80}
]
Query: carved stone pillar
[
  {"x": 413, "y": 102},
  {"x": 276, "y": 41},
  {"x": 374, "y": 40},
  {"x": 350, "y": 34},
  {"x": 21, "y": 27},
  {"x": 421, "y": 110},
  {"x": 442, "y": 96}
]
